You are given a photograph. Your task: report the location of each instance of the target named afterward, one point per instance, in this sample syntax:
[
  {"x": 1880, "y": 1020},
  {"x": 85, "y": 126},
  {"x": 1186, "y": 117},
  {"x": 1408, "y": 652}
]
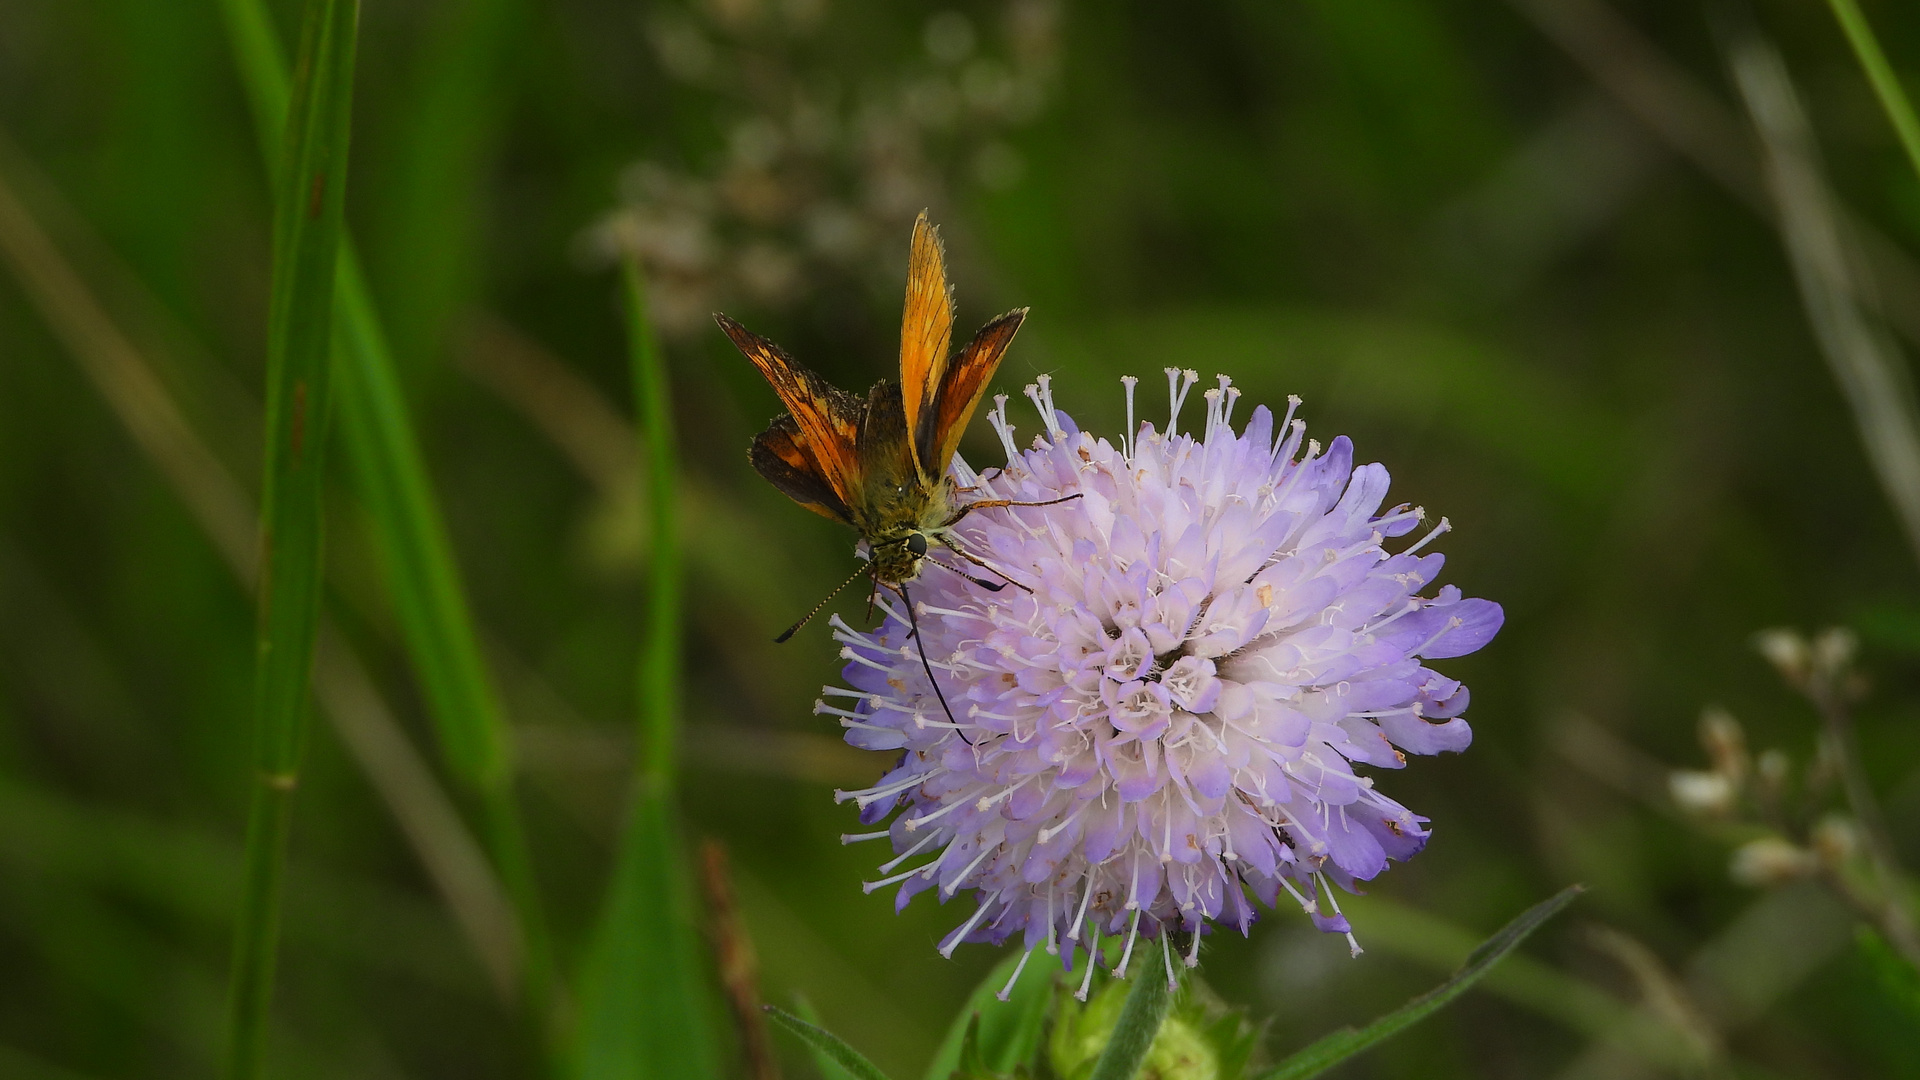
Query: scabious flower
[{"x": 1167, "y": 712}]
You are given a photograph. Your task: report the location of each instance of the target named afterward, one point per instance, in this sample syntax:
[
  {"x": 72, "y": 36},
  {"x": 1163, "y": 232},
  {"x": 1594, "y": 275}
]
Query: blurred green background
[{"x": 1460, "y": 229}]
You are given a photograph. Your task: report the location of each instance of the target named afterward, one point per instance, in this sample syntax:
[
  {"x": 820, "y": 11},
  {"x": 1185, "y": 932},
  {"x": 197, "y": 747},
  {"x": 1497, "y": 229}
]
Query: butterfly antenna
[
  {"x": 990, "y": 586},
  {"x": 982, "y": 564},
  {"x": 795, "y": 628},
  {"x": 920, "y": 646}
]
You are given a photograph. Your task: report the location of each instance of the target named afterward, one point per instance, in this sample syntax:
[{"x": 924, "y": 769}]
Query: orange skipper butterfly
[{"x": 879, "y": 463}]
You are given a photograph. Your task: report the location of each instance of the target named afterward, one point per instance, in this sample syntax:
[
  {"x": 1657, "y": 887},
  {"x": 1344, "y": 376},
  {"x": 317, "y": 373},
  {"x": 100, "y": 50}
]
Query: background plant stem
[{"x": 1886, "y": 84}]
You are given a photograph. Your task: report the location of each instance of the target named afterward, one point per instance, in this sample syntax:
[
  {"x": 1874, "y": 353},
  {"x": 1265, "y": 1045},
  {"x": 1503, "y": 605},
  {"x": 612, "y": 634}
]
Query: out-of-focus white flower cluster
[
  {"x": 1779, "y": 822},
  {"x": 820, "y": 174}
]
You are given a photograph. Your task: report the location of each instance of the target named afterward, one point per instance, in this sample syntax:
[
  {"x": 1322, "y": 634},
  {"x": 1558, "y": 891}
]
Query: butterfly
[{"x": 879, "y": 463}]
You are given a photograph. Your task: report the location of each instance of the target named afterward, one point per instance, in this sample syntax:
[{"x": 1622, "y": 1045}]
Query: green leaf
[
  {"x": 822, "y": 1041},
  {"x": 1009, "y": 1031},
  {"x": 1140, "y": 1019},
  {"x": 828, "y": 1067},
  {"x": 308, "y": 221},
  {"x": 1899, "y": 978},
  {"x": 643, "y": 1008},
  {"x": 1337, "y": 1047}
]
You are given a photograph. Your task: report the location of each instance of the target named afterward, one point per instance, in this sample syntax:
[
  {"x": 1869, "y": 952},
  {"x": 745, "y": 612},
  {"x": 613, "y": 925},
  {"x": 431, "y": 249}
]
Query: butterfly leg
[{"x": 989, "y": 504}]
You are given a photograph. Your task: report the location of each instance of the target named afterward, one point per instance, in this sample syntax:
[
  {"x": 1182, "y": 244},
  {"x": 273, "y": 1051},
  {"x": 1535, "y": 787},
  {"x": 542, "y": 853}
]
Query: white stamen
[
  {"x": 1193, "y": 954},
  {"x": 1166, "y": 958},
  {"x": 869, "y": 886},
  {"x": 914, "y": 824},
  {"x": 855, "y": 838},
  {"x": 960, "y": 879},
  {"x": 1178, "y": 384},
  {"x": 1127, "y": 437},
  {"x": 1452, "y": 624},
  {"x": 1040, "y": 393},
  {"x": 986, "y": 801},
  {"x": 1052, "y": 831},
  {"x": 1126, "y": 954},
  {"x": 849, "y": 653},
  {"x": 1293, "y": 406},
  {"x": 1309, "y": 906},
  {"x": 1444, "y": 526},
  {"x": 1073, "y": 932},
  {"x": 1213, "y": 413},
  {"x": 887, "y": 867},
  {"x": 1007, "y": 990},
  {"x": 1093, "y": 954},
  {"x": 842, "y": 691},
  {"x": 1233, "y": 395},
  {"x": 997, "y": 419},
  {"x": 952, "y": 943},
  {"x": 872, "y": 794}
]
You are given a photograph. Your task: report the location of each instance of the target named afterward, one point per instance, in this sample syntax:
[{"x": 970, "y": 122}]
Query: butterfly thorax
[{"x": 901, "y": 522}]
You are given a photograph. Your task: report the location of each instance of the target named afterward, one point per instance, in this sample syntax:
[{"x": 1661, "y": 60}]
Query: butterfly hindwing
[
  {"x": 777, "y": 457},
  {"x": 825, "y": 420},
  {"x": 926, "y": 331},
  {"x": 965, "y": 380}
]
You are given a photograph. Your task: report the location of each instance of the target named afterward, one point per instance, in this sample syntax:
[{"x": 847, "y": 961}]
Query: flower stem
[
  {"x": 1893, "y": 907},
  {"x": 1140, "y": 1019},
  {"x": 1886, "y": 85}
]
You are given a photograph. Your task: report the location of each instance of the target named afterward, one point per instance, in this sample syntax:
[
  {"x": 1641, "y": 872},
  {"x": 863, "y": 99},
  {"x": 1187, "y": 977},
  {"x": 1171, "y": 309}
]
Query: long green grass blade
[
  {"x": 822, "y": 1041},
  {"x": 308, "y": 218},
  {"x": 1337, "y": 1047},
  {"x": 1886, "y": 84},
  {"x": 1147, "y": 1006},
  {"x": 390, "y": 477},
  {"x": 644, "y": 1002}
]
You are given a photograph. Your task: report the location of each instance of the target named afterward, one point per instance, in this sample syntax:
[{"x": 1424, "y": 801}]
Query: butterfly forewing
[
  {"x": 938, "y": 434},
  {"x": 926, "y": 331}
]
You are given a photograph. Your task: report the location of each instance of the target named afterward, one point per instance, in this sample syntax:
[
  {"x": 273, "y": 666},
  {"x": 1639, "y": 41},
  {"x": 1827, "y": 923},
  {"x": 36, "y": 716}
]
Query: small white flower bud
[
  {"x": 1771, "y": 860},
  {"x": 1835, "y": 840},
  {"x": 1707, "y": 793},
  {"x": 1833, "y": 652},
  {"x": 1787, "y": 651},
  {"x": 1725, "y": 743}
]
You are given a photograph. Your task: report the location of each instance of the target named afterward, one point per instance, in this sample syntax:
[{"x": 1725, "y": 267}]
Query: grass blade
[
  {"x": 1333, "y": 1049},
  {"x": 643, "y": 1007},
  {"x": 1886, "y": 85},
  {"x": 364, "y": 722},
  {"x": 1140, "y": 1018},
  {"x": 826, "y": 1043},
  {"x": 390, "y": 477},
  {"x": 308, "y": 220}
]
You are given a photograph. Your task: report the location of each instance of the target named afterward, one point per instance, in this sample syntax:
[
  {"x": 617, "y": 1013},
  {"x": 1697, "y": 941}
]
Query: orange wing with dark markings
[
  {"x": 926, "y": 331},
  {"x": 777, "y": 456},
  {"x": 937, "y": 435},
  {"x": 815, "y": 447}
]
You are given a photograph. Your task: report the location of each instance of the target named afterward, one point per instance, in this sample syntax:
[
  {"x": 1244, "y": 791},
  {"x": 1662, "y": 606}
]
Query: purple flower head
[{"x": 1215, "y": 635}]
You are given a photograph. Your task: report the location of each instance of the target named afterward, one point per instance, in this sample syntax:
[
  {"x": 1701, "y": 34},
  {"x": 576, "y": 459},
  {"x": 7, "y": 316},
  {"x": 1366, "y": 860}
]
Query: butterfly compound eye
[{"x": 917, "y": 543}]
